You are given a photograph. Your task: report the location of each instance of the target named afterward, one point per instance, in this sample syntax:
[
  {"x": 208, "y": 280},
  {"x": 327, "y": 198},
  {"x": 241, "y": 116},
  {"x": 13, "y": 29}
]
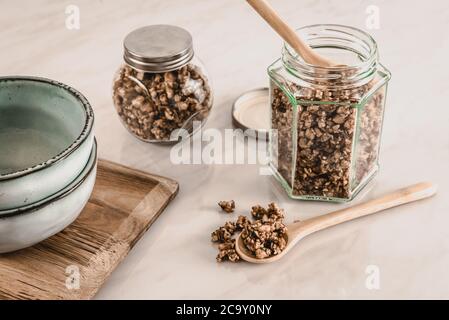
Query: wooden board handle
[{"x": 406, "y": 195}]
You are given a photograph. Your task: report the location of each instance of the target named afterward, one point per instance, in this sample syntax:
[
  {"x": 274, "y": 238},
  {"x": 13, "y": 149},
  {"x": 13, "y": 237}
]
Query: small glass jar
[
  {"x": 162, "y": 87},
  {"x": 327, "y": 121}
]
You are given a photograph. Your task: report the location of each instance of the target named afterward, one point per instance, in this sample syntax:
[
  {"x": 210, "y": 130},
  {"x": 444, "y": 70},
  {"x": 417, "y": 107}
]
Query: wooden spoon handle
[
  {"x": 409, "y": 194},
  {"x": 288, "y": 34}
]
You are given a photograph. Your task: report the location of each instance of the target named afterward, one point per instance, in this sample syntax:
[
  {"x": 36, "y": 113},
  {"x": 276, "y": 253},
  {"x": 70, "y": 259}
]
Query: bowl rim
[
  {"x": 85, "y": 133},
  {"x": 64, "y": 192}
]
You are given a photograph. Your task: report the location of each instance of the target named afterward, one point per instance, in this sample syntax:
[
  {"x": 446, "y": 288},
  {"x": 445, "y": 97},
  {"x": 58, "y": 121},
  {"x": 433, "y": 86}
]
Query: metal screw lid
[{"x": 158, "y": 48}]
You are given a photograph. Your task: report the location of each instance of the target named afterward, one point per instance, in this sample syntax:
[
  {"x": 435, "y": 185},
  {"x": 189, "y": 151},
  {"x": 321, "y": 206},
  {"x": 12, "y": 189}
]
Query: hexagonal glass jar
[{"x": 327, "y": 121}]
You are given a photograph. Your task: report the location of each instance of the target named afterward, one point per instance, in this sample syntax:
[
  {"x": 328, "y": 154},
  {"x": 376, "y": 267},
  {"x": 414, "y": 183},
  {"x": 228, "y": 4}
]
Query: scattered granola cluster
[
  {"x": 326, "y": 132},
  {"x": 264, "y": 236},
  {"x": 224, "y": 236},
  {"x": 227, "y": 206},
  {"x": 227, "y": 252},
  {"x": 224, "y": 233},
  {"x": 152, "y": 105}
]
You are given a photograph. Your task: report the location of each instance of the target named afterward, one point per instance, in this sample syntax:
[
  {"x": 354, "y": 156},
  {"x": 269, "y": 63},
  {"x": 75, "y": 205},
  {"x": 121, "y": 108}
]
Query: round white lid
[{"x": 251, "y": 112}]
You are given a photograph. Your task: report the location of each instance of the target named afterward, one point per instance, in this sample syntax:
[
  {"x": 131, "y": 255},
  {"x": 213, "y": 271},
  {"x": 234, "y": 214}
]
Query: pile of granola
[{"x": 264, "y": 236}]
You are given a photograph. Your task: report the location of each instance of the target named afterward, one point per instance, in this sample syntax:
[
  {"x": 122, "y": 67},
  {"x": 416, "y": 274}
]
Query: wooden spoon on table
[
  {"x": 264, "y": 9},
  {"x": 298, "y": 230}
]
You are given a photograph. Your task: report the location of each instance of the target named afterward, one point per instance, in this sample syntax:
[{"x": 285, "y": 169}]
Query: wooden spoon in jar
[
  {"x": 264, "y": 9},
  {"x": 298, "y": 230}
]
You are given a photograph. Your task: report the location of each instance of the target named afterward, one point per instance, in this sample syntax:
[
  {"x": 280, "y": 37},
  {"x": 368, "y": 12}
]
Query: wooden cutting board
[{"x": 74, "y": 263}]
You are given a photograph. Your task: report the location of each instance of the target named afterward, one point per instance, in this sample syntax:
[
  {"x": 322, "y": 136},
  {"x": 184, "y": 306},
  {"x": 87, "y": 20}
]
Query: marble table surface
[{"x": 406, "y": 249}]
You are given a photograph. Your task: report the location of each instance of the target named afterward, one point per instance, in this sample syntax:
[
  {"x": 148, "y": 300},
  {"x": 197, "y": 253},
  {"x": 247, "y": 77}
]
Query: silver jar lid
[{"x": 158, "y": 48}]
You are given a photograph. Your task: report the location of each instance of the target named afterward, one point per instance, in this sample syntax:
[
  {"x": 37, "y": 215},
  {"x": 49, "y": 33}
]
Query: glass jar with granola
[
  {"x": 327, "y": 121},
  {"x": 162, "y": 86}
]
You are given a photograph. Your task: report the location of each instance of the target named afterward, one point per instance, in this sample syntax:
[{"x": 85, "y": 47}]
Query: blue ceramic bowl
[{"x": 46, "y": 136}]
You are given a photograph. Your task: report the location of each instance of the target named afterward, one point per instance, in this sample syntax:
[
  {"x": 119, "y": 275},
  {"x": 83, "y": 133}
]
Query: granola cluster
[
  {"x": 152, "y": 105},
  {"x": 227, "y": 252},
  {"x": 224, "y": 233},
  {"x": 224, "y": 236},
  {"x": 264, "y": 235},
  {"x": 326, "y": 138},
  {"x": 227, "y": 206}
]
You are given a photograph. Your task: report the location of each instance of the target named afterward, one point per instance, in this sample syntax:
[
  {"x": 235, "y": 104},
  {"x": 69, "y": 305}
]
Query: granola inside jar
[
  {"x": 327, "y": 121},
  {"x": 162, "y": 86}
]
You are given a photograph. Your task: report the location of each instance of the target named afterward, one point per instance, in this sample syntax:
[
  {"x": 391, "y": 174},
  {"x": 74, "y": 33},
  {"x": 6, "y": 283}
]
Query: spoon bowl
[{"x": 247, "y": 255}]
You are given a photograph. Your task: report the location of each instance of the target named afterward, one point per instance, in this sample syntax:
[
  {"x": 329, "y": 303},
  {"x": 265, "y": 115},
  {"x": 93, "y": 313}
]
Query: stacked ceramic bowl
[{"x": 48, "y": 159}]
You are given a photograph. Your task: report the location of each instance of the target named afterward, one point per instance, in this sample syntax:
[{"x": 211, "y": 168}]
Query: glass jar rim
[{"x": 335, "y": 36}]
